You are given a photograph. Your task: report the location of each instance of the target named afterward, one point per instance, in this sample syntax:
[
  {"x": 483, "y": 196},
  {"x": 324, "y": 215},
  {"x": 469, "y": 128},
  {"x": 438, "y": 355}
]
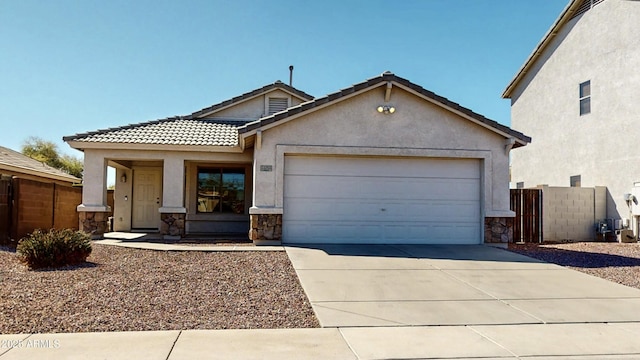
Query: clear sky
[{"x": 69, "y": 66}]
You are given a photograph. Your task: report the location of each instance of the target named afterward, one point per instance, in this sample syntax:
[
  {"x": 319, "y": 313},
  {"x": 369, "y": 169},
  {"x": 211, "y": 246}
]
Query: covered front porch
[{"x": 175, "y": 195}]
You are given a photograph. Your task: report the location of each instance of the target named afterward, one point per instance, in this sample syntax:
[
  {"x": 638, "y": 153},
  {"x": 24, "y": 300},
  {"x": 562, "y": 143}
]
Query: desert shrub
[{"x": 54, "y": 248}]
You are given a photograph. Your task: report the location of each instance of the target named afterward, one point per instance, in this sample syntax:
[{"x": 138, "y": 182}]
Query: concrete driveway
[{"x": 400, "y": 285}]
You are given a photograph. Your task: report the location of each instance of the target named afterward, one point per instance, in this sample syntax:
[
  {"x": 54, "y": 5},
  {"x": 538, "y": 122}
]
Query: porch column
[
  {"x": 93, "y": 211},
  {"x": 172, "y": 212}
]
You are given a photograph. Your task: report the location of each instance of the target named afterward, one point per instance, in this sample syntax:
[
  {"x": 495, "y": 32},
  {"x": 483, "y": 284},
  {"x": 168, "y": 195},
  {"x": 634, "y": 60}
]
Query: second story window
[{"x": 585, "y": 97}]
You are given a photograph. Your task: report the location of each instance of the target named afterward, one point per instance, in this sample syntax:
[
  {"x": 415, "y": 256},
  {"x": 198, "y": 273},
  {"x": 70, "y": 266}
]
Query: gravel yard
[
  {"x": 123, "y": 289},
  {"x": 617, "y": 262}
]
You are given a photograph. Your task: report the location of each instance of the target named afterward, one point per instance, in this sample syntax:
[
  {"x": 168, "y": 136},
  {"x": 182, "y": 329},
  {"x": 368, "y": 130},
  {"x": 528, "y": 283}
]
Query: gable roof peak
[
  {"x": 366, "y": 85},
  {"x": 251, "y": 94}
]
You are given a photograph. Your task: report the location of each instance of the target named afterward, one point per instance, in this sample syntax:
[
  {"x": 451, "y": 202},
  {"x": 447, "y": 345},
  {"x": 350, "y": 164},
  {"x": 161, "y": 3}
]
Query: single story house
[{"x": 382, "y": 161}]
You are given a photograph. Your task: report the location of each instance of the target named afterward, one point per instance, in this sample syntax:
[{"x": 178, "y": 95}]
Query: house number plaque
[{"x": 266, "y": 168}]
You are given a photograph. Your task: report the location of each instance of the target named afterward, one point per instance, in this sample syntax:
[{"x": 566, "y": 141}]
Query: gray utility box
[{"x": 625, "y": 236}]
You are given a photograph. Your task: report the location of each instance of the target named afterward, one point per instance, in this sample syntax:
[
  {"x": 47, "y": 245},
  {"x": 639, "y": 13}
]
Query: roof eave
[
  {"x": 565, "y": 16},
  {"x": 33, "y": 172},
  {"x": 82, "y": 145},
  {"x": 273, "y": 120}
]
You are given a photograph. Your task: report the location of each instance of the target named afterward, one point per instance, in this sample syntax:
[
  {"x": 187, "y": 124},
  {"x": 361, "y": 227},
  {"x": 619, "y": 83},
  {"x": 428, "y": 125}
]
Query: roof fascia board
[
  {"x": 313, "y": 109},
  {"x": 82, "y": 145},
  {"x": 564, "y": 17},
  {"x": 28, "y": 171},
  {"x": 247, "y": 99}
]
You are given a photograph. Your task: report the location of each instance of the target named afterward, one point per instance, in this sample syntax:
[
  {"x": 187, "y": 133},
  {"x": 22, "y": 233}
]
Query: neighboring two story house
[
  {"x": 576, "y": 96},
  {"x": 382, "y": 161}
]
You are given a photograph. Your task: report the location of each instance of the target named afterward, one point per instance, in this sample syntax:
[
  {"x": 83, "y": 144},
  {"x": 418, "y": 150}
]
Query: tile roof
[
  {"x": 17, "y": 162},
  {"x": 184, "y": 130},
  {"x": 276, "y": 85},
  {"x": 170, "y": 131},
  {"x": 385, "y": 77}
]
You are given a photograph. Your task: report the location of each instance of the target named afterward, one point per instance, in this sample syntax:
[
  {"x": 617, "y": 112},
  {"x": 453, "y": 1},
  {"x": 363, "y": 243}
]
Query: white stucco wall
[
  {"x": 353, "y": 126},
  {"x": 601, "y": 46}
]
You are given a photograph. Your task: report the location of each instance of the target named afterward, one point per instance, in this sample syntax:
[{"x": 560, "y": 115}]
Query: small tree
[{"x": 48, "y": 153}]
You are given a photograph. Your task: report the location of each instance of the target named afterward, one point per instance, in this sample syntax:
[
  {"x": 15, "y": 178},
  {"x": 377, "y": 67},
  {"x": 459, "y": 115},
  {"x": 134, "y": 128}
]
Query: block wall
[{"x": 570, "y": 213}]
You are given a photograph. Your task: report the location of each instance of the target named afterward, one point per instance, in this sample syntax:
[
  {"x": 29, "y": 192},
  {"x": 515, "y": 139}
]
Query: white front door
[
  {"x": 147, "y": 193},
  {"x": 381, "y": 200}
]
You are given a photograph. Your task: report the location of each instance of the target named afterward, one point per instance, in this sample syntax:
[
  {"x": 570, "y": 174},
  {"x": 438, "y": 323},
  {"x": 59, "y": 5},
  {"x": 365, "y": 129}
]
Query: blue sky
[{"x": 75, "y": 66}]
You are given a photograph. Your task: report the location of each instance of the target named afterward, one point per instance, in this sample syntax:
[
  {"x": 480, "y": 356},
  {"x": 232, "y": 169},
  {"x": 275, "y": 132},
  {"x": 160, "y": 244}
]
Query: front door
[{"x": 147, "y": 192}]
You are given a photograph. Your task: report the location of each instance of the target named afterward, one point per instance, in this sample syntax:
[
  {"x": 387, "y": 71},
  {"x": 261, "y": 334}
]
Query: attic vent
[
  {"x": 277, "y": 105},
  {"x": 586, "y": 6}
]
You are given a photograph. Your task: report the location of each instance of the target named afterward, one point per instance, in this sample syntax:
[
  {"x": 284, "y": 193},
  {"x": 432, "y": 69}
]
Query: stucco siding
[
  {"x": 601, "y": 46},
  {"x": 254, "y": 108},
  {"x": 355, "y": 127}
]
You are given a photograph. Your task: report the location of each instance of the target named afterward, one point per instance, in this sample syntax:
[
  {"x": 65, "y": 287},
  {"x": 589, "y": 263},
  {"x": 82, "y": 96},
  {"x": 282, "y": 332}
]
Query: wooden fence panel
[
  {"x": 527, "y": 225},
  {"x": 5, "y": 210}
]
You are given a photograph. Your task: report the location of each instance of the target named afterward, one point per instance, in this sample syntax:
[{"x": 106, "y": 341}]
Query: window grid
[{"x": 585, "y": 97}]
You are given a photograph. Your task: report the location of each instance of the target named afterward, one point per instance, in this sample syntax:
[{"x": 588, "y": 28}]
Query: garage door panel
[
  {"x": 323, "y": 187},
  {"x": 367, "y": 200},
  {"x": 405, "y": 167}
]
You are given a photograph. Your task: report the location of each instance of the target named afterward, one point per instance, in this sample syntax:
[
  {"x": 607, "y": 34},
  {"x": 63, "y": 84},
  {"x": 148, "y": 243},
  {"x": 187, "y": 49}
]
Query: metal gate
[
  {"x": 527, "y": 225},
  {"x": 5, "y": 209}
]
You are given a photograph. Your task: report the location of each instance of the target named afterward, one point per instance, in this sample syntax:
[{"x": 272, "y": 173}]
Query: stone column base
[
  {"x": 498, "y": 230},
  {"x": 93, "y": 223},
  {"x": 172, "y": 225},
  {"x": 266, "y": 229}
]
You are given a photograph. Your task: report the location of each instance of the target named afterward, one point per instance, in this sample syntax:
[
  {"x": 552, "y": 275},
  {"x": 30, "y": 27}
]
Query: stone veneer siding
[
  {"x": 266, "y": 227},
  {"x": 94, "y": 223},
  {"x": 172, "y": 224},
  {"x": 498, "y": 230}
]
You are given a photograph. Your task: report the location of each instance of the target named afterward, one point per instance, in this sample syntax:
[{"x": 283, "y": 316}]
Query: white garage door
[{"x": 373, "y": 200}]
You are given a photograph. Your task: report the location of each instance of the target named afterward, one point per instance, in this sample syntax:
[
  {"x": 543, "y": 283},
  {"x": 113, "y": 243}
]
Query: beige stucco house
[
  {"x": 576, "y": 96},
  {"x": 381, "y": 161}
]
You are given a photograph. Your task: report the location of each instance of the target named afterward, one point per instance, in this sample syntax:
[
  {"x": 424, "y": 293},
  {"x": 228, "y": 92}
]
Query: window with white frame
[{"x": 585, "y": 97}]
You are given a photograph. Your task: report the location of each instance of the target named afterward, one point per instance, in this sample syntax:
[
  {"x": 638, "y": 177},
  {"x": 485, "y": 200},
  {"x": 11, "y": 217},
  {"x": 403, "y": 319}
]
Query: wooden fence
[
  {"x": 527, "y": 225},
  {"x": 26, "y": 205}
]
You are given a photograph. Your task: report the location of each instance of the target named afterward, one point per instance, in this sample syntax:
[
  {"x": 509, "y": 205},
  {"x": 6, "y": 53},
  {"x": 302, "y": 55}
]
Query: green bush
[{"x": 54, "y": 248}]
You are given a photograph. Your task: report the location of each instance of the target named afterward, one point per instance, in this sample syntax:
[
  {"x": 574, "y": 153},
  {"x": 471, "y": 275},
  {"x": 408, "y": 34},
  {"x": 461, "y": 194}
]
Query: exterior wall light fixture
[
  {"x": 123, "y": 178},
  {"x": 386, "y": 109}
]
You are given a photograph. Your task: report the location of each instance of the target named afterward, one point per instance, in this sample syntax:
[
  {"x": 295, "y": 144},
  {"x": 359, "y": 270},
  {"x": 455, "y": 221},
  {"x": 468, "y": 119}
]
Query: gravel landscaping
[
  {"x": 122, "y": 289},
  {"x": 617, "y": 262}
]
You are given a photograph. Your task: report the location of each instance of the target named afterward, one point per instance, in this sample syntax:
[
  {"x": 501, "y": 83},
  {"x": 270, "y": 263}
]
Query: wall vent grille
[{"x": 277, "y": 105}]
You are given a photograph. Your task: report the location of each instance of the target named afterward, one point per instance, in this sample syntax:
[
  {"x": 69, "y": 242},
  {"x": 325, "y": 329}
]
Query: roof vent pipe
[{"x": 290, "y": 75}]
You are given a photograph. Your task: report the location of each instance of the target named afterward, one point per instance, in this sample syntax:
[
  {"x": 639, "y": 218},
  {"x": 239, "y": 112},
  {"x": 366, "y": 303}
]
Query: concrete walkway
[
  {"x": 401, "y": 302},
  {"x": 546, "y": 341},
  {"x": 155, "y": 242}
]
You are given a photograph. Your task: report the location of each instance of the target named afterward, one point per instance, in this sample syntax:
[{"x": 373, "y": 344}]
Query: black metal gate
[{"x": 527, "y": 225}]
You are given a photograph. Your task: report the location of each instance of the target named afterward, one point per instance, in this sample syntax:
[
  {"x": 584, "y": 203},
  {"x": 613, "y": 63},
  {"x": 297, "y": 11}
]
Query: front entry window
[{"x": 221, "y": 190}]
